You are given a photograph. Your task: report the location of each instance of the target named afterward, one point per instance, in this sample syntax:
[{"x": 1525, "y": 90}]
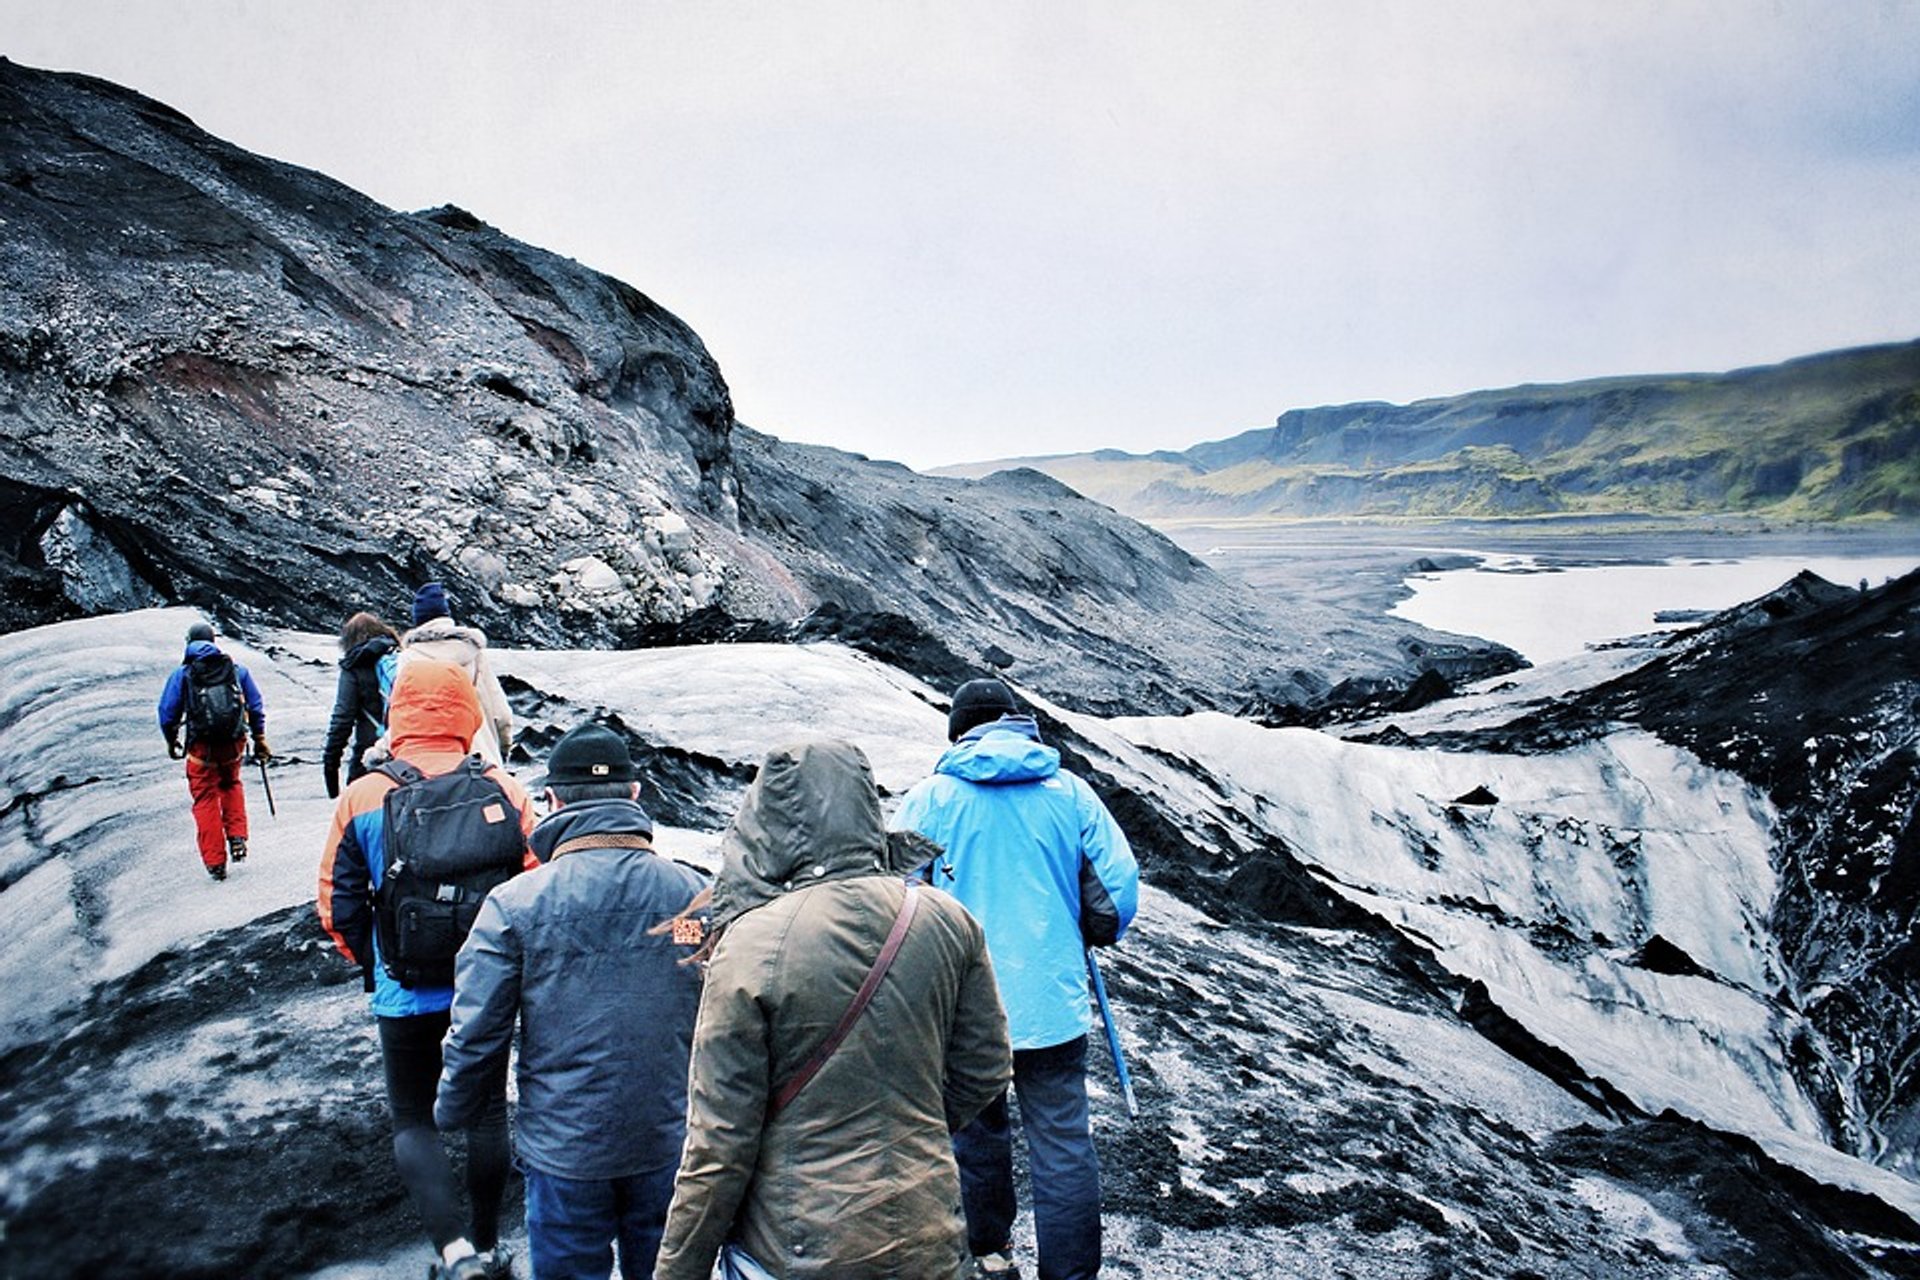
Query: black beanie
[
  {"x": 979, "y": 702},
  {"x": 588, "y": 754},
  {"x": 199, "y": 631}
]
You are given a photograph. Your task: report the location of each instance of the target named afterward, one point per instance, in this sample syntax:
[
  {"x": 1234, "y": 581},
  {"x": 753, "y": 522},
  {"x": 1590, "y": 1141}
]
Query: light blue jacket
[{"x": 1016, "y": 829}]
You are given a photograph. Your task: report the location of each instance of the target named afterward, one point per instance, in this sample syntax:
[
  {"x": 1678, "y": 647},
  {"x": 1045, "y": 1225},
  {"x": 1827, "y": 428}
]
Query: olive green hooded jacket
[{"x": 855, "y": 1179}]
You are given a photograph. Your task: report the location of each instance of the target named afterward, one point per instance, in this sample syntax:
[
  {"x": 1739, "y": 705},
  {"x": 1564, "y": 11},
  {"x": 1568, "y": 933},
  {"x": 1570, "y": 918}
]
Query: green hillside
[{"x": 1826, "y": 437}]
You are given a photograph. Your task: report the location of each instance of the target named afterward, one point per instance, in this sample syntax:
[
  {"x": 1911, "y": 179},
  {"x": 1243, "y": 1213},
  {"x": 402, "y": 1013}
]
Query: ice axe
[
  {"x": 266, "y": 785},
  {"x": 1113, "y": 1035}
]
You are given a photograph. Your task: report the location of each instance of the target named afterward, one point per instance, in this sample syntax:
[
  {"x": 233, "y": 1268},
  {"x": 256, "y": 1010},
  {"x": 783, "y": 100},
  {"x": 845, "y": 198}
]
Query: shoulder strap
[
  {"x": 605, "y": 840},
  {"x": 403, "y": 773},
  {"x": 895, "y": 937}
]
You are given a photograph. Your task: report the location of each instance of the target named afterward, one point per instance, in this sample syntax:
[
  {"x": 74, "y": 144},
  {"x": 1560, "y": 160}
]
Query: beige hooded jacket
[
  {"x": 466, "y": 647},
  {"x": 855, "y": 1179}
]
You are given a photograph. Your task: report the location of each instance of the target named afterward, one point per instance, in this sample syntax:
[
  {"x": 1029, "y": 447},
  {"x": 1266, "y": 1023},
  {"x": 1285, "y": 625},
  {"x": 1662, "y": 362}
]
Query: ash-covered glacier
[{"x": 1391, "y": 1012}]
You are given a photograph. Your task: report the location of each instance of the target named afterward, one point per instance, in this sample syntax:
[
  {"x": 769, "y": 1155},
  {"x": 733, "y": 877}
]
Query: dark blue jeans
[
  {"x": 572, "y": 1224},
  {"x": 1051, "y": 1086}
]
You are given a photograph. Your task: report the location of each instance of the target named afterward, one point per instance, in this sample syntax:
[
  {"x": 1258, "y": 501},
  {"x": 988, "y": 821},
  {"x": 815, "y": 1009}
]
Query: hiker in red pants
[{"x": 216, "y": 700}]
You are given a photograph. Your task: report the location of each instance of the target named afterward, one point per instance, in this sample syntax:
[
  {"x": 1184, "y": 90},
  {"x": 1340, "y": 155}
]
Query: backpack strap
[
  {"x": 402, "y": 772},
  {"x": 798, "y": 1081}
]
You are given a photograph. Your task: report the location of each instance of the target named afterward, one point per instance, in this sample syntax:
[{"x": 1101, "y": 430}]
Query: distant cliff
[{"x": 1821, "y": 438}]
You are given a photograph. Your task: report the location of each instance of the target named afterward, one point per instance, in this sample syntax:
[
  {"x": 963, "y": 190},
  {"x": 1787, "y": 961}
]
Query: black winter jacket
[{"x": 359, "y": 712}]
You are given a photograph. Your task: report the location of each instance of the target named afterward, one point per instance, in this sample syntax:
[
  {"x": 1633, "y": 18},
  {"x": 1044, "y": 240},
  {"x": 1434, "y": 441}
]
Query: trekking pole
[
  {"x": 1113, "y": 1035},
  {"x": 266, "y": 786}
]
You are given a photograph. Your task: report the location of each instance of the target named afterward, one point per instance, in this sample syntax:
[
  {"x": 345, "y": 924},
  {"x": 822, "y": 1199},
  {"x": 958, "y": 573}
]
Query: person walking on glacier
[
  {"x": 436, "y": 635},
  {"x": 359, "y": 718},
  {"x": 1036, "y": 857},
  {"x": 412, "y": 851},
  {"x": 214, "y": 699},
  {"x": 588, "y": 954},
  {"x": 849, "y": 1023}
]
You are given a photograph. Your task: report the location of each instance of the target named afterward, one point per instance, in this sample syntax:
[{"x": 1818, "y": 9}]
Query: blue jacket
[
  {"x": 1016, "y": 829},
  {"x": 173, "y": 698},
  {"x": 604, "y": 1004}
]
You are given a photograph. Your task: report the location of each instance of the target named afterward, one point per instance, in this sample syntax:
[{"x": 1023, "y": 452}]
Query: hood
[
  {"x": 812, "y": 815},
  {"x": 197, "y": 649},
  {"x": 444, "y": 629},
  {"x": 433, "y": 708},
  {"x": 369, "y": 651},
  {"x": 589, "y": 818},
  {"x": 1008, "y": 750}
]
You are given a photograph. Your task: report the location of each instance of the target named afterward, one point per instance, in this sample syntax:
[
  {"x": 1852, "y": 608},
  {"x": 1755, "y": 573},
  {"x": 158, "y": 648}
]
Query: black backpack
[
  {"x": 449, "y": 840},
  {"x": 216, "y": 706}
]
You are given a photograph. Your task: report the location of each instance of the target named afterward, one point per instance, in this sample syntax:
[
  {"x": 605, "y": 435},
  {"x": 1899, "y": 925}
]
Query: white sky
[{"x": 950, "y": 231}]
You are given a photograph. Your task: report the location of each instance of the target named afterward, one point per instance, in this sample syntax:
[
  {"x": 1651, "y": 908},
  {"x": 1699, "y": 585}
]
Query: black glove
[
  {"x": 260, "y": 748},
  {"x": 174, "y": 748},
  {"x": 330, "y": 770}
]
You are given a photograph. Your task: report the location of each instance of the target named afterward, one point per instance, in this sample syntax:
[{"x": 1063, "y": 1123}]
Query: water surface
[{"x": 1545, "y": 611}]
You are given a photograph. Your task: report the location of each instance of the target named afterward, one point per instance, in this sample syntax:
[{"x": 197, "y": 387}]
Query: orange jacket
[{"x": 432, "y": 717}]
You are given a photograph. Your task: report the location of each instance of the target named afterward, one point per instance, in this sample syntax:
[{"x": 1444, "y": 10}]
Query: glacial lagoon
[
  {"x": 1546, "y": 587},
  {"x": 1545, "y": 611}
]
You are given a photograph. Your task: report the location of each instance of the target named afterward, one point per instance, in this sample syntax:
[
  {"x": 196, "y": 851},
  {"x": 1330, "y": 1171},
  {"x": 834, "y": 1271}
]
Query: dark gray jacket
[{"x": 605, "y": 1008}]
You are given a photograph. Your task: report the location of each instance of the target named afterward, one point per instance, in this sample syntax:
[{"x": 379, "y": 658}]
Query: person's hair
[
  {"x": 362, "y": 627},
  {"x": 579, "y": 792}
]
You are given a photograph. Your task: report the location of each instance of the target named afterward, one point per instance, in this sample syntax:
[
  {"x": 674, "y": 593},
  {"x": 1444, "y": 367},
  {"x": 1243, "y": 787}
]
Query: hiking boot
[
  {"x": 498, "y": 1263},
  {"x": 218, "y": 872},
  {"x": 996, "y": 1266},
  {"x": 237, "y": 848},
  {"x": 467, "y": 1268}
]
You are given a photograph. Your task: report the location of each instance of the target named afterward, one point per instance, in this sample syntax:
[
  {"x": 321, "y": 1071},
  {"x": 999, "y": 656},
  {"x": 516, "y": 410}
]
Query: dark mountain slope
[
  {"x": 260, "y": 386},
  {"x": 234, "y": 383},
  {"x": 1824, "y": 437},
  {"x": 1067, "y": 595}
]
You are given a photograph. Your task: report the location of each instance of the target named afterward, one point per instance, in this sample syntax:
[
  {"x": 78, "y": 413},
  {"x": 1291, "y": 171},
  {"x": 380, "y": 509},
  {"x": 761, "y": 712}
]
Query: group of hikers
[{"x": 800, "y": 1067}]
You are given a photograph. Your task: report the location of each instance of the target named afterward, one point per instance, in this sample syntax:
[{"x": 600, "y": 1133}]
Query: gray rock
[{"x": 96, "y": 577}]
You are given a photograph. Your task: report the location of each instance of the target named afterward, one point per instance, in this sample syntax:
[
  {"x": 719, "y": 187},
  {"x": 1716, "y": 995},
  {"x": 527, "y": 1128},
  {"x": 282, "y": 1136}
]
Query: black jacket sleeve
[{"x": 346, "y": 701}]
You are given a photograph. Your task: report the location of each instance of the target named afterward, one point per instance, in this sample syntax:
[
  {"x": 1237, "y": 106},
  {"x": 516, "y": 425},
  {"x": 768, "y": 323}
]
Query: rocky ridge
[{"x": 232, "y": 382}]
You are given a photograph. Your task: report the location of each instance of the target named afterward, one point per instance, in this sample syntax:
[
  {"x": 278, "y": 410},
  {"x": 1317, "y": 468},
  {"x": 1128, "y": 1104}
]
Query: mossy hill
[{"x": 1825, "y": 437}]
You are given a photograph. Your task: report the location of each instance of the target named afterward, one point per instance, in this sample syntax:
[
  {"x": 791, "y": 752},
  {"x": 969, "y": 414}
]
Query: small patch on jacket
[
  {"x": 494, "y": 813},
  {"x": 689, "y": 931}
]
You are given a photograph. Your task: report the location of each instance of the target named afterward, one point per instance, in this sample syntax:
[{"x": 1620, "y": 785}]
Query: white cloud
[{"x": 935, "y": 231}]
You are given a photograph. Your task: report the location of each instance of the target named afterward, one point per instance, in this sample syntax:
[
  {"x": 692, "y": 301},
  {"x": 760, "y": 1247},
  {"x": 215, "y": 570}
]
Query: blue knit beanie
[{"x": 430, "y": 602}]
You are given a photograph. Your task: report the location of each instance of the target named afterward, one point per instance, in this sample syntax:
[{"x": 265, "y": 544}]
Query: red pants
[{"x": 219, "y": 801}]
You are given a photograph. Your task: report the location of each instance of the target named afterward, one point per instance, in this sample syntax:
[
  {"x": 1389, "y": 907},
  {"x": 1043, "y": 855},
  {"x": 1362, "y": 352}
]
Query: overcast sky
[{"x": 948, "y": 231}]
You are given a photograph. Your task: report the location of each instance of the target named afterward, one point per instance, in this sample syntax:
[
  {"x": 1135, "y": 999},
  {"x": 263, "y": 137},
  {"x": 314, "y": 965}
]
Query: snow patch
[{"x": 1635, "y": 1216}]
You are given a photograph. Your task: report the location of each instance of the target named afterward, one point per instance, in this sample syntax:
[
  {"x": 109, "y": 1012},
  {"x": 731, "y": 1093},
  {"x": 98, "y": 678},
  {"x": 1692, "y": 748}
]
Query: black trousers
[{"x": 410, "y": 1052}]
